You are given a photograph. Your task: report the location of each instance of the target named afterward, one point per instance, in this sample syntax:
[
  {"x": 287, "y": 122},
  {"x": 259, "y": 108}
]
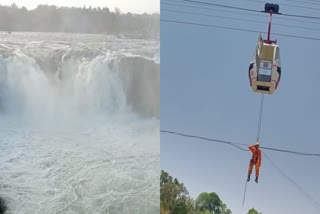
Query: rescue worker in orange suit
[{"x": 255, "y": 160}]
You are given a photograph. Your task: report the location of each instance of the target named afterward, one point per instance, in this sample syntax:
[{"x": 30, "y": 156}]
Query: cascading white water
[{"x": 79, "y": 127}]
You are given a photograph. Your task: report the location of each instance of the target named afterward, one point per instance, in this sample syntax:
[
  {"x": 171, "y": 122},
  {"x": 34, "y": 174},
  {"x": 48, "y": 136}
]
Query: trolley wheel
[
  {"x": 267, "y": 7},
  {"x": 276, "y": 8}
]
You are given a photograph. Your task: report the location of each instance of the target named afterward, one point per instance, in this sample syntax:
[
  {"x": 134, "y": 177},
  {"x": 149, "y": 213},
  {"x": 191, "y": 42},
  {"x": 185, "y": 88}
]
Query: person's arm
[{"x": 252, "y": 148}]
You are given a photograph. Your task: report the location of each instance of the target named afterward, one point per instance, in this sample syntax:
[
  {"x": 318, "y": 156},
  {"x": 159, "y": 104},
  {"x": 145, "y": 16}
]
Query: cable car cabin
[{"x": 265, "y": 68}]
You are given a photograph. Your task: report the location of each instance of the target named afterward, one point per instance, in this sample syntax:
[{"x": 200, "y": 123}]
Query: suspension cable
[{"x": 260, "y": 117}]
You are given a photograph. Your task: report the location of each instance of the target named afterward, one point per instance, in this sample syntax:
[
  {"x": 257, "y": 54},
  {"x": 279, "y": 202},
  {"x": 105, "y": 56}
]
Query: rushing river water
[{"x": 79, "y": 124}]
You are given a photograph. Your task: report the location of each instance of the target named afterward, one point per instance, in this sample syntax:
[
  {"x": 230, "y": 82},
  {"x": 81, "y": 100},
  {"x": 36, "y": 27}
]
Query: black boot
[
  {"x": 256, "y": 180},
  {"x": 248, "y": 178}
]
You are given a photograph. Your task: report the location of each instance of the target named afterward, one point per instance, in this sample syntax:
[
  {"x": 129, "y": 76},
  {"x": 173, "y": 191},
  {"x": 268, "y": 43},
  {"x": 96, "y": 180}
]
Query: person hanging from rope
[{"x": 255, "y": 160}]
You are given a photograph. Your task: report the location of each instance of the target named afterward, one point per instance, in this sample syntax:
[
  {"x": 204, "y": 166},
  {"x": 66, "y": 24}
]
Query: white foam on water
[{"x": 69, "y": 140}]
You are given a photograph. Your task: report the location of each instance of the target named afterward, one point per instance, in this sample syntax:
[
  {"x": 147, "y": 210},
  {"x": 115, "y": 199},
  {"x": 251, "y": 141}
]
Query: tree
[
  {"x": 210, "y": 202},
  {"x": 180, "y": 208},
  {"x": 175, "y": 199},
  {"x": 49, "y": 18},
  {"x": 253, "y": 211},
  {"x": 117, "y": 10},
  {"x": 174, "y": 196}
]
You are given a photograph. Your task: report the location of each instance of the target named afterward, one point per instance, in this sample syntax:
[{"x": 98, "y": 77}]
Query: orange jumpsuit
[{"x": 255, "y": 160}]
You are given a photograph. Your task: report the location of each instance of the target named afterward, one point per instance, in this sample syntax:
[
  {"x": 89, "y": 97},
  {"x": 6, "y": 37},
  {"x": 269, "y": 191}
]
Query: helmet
[{"x": 257, "y": 143}]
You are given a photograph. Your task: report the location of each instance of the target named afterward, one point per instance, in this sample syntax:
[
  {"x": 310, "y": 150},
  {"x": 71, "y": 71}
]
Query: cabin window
[{"x": 264, "y": 73}]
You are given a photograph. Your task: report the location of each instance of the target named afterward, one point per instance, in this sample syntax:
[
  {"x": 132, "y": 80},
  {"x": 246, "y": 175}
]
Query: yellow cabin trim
[{"x": 267, "y": 53}]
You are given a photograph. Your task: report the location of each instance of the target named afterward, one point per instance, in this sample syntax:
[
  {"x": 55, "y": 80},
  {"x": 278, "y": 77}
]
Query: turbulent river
[{"x": 79, "y": 124}]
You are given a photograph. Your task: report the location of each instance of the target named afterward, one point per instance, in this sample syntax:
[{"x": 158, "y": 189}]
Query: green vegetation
[
  {"x": 47, "y": 18},
  {"x": 175, "y": 199},
  {"x": 253, "y": 211}
]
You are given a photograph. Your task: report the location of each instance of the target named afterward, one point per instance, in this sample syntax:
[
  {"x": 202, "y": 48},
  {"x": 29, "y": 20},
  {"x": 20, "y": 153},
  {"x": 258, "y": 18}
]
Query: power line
[
  {"x": 221, "y": 5},
  {"x": 244, "y": 193},
  {"x": 235, "y": 12},
  {"x": 206, "y": 8},
  {"x": 311, "y": 0},
  {"x": 292, "y": 152},
  {"x": 299, "y": 16},
  {"x": 289, "y": 5},
  {"x": 233, "y": 18},
  {"x": 238, "y": 29},
  {"x": 214, "y": 26},
  {"x": 307, "y": 195},
  {"x": 209, "y": 15},
  {"x": 238, "y": 144},
  {"x": 304, "y": 2},
  {"x": 208, "y": 139},
  {"x": 251, "y": 10}
]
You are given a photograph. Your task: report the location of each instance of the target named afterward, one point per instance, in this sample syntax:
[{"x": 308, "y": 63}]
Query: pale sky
[
  {"x": 134, "y": 6},
  {"x": 205, "y": 91}
]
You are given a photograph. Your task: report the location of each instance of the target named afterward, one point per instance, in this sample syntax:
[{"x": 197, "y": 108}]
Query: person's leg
[{"x": 257, "y": 171}]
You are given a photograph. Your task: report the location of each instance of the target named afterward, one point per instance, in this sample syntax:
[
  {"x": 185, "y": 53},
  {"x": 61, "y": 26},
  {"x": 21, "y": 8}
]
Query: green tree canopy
[
  {"x": 211, "y": 202},
  {"x": 50, "y": 18},
  {"x": 253, "y": 211},
  {"x": 173, "y": 195},
  {"x": 175, "y": 199}
]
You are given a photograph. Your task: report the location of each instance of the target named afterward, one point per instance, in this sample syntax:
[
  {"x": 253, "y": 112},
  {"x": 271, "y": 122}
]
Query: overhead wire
[
  {"x": 304, "y": 2},
  {"x": 219, "y": 5},
  {"x": 238, "y": 29},
  {"x": 235, "y": 12},
  {"x": 260, "y": 117},
  {"x": 307, "y": 195},
  {"x": 294, "y": 1},
  {"x": 312, "y": 0},
  {"x": 239, "y": 19},
  {"x": 244, "y": 193},
  {"x": 288, "y": 5},
  {"x": 182, "y": 4},
  {"x": 246, "y": 9},
  {"x": 209, "y": 15},
  {"x": 236, "y": 144}
]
